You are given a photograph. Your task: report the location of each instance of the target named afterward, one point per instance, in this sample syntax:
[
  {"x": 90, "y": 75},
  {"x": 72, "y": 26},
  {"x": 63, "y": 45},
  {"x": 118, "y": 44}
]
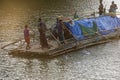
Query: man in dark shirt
[
  {"x": 42, "y": 30},
  {"x": 60, "y": 31}
]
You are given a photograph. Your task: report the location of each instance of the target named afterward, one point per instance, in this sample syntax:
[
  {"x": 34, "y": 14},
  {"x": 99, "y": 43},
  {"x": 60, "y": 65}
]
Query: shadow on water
[{"x": 28, "y": 55}]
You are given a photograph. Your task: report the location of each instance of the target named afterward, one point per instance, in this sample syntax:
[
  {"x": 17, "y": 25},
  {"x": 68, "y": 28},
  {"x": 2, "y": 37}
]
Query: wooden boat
[{"x": 71, "y": 44}]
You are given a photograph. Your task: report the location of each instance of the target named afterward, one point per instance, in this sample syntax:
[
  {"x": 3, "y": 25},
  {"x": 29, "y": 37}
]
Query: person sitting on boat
[
  {"x": 76, "y": 15},
  {"x": 113, "y": 7},
  {"x": 27, "y": 37},
  {"x": 60, "y": 27},
  {"x": 42, "y": 30},
  {"x": 101, "y": 9}
]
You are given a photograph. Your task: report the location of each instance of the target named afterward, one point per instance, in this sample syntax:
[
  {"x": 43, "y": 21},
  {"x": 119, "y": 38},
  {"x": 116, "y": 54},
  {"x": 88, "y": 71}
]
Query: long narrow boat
[{"x": 84, "y": 33}]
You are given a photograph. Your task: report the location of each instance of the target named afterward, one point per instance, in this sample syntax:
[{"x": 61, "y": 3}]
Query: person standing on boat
[
  {"x": 42, "y": 30},
  {"x": 27, "y": 37},
  {"x": 101, "y": 9},
  {"x": 60, "y": 27},
  {"x": 113, "y": 7}
]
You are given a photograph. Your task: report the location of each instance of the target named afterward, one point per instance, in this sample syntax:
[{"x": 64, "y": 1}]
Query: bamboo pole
[
  {"x": 11, "y": 43},
  {"x": 55, "y": 38}
]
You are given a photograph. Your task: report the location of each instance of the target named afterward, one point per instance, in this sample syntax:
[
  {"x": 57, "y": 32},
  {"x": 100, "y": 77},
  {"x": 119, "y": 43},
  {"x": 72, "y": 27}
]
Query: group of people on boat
[
  {"x": 112, "y": 9},
  {"x": 59, "y": 27},
  {"x": 42, "y": 33},
  {"x": 42, "y": 30}
]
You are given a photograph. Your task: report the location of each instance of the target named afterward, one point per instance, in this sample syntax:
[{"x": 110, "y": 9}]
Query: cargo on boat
[{"x": 80, "y": 34}]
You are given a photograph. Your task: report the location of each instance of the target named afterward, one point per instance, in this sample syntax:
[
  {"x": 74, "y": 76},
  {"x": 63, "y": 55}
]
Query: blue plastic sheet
[
  {"x": 75, "y": 30},
  {"x": 105, "y": 25}
]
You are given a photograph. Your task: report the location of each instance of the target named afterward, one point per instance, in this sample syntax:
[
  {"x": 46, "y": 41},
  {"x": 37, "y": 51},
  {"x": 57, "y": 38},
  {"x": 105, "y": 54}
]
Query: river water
[{"x": 102, "y": 62}]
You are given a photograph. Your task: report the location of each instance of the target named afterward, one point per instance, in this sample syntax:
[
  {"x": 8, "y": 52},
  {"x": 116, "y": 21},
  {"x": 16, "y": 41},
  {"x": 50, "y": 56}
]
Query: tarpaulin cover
[
  {"x": 103, "y": 24},
  {"x": 75, "y": 30}
]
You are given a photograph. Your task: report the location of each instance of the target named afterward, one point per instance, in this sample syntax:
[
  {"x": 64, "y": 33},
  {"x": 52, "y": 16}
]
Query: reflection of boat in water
[{"x": 84, "y": 33}]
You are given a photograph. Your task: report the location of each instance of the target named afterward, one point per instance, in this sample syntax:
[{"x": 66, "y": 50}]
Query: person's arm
[
  {"x": 116, "y": 6},
  {"x": 45, "y": 27}
]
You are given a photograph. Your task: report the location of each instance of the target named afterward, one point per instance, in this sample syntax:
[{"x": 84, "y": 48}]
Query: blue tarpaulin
[
  {"x": 75, "y": 30},
  {"x": 105, "y": 25}
]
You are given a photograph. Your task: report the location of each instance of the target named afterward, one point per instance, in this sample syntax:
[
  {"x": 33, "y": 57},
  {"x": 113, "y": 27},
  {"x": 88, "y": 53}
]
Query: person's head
[
  {"x": 101, "y": 1},
  {"x": 112, "y": 2},
  {"x": 60, "y": 17},
  {"x": 60, "y": 21},
  {"x": 26, "y": 26},
  {"x": 40, "y": 19}
]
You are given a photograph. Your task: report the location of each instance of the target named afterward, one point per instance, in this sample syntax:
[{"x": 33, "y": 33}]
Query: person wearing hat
[{"x": 60, "y": 17}]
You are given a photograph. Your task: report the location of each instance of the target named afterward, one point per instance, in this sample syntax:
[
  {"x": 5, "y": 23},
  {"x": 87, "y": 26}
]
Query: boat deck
[{"x": 35, "y": 49}]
